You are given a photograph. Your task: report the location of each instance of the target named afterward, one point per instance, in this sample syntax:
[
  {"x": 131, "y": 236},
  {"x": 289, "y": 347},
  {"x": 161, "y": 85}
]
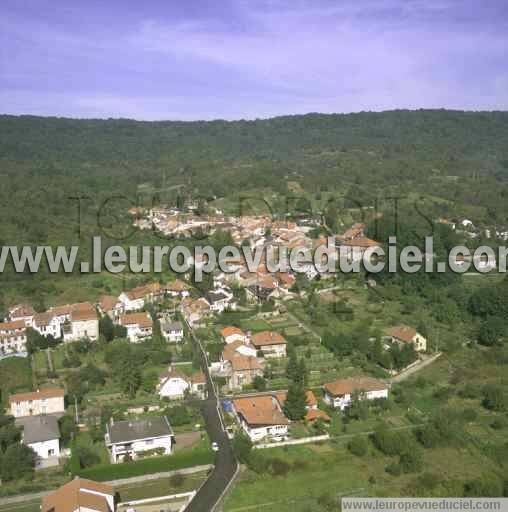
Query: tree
[
  {"x": 149, "y": 381},
  {"x": 18, "y": 462},
  {"x": 495, "y": 398},
  {"x": 130, "y": 375},
  {"x": 296, "y": 402},
  {"x": 259, "y": 383},
  {"x": 292, "y": 367},
  {"x": 242, "y": 447},
  {"x": 68, "y": 429},
  {"x": 107, "y": 328},
  {"x": 491, "y": 331}
]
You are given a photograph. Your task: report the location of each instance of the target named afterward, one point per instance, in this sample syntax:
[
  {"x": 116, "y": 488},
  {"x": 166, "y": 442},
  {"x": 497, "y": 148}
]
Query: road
[
  {"x": 226, "y": 466},
  {"x": 411, "y": 371}
]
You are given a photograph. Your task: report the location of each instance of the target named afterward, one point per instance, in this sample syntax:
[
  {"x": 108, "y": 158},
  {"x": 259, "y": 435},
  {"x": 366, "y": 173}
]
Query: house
[
  {"x": 354, "y": 250},
  {"x": 110, "y": 305},
  {"x": 339, "y": 394},
  {"x": 43, "y": 401},
  {"x": 178, "y": 288},
  {"x": 244, "y": 369},
  {"x": 270, "y": 343},
  {"x": 133, "y": 300},
  {"x": 194, "y": 310},
  {"x": 130, "y": 438},
  {"x": 13, "y": 337},
  {"x": 230, "y": 334},
  {"x": 139, "y": 326},
  {"x": 80, "y": 495},
  {"x": 42, "y": 434},
  {"x": 172, "y": 331},
  {"x": 83, "y": 323},
  {"x": 47, "y": 324},
  {"x": 174, "y": 385},
  {"x": 24, "y": 312},
  {"x": 403, "y": 334},
  {"x": 220, "y": 300},
  {"x": 238, "y": 347},
  {"x": 261, "y": 417}
]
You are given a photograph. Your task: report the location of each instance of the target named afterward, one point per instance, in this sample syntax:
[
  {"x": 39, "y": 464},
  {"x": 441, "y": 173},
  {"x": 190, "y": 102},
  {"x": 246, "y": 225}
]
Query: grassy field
[{"x": 15, "y": 376}]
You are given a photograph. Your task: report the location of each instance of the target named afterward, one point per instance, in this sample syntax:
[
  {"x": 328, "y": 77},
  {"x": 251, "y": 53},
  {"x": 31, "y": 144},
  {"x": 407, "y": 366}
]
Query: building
[
  {"x": 313, "y": 413},
  {"x": 42, "y": 434},
  {"x": 243, "y": 371},
  {"x": 270, "y": 343},
  {"x": 24, "y": 312},
  {"x": 130, "y": 438},
  {"x": 133, "y": 300},
  {"x": 110, "y": 305},
  {"x": 194, "y": 310},
  {"x": 175, "y": 385},
  {"x": 80, "y": 495},
  {"x": 261, "y": 418},
  {"x": 13, "y": 337},
  {"x": 44, "y": 401},
  {"x": 220, "y": 300},
  {"x": 230, "y": 334},
  {"x": 403, "y": 334},
  {"x": 83, "y": 323},
  {"x": 354, "y": 250},
  {"x": 172, "y": 331},
  {"x": 47, "y": 324},
  {"x": 339, "y": 394},
  {"x": 238, "y": 347},
  {"x": 139, "y": 326},
  {"x": 177, "y": 288}
]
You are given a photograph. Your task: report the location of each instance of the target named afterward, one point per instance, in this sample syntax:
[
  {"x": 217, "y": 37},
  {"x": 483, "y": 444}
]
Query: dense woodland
[{"x": 442, "y": 162}]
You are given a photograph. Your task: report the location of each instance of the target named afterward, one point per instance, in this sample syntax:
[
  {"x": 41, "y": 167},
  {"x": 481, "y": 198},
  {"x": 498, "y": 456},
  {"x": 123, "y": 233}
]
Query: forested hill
[
  {"x": 45, "y": 162},
  {"x": 29, "y": 137}
]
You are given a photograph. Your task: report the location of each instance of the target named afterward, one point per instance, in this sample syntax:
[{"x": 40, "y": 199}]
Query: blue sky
[{"x": 233, "y": 59}]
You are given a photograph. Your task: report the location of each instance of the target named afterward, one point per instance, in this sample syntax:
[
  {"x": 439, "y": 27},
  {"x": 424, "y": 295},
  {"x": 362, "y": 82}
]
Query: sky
[{"x": 248, "y": 59}]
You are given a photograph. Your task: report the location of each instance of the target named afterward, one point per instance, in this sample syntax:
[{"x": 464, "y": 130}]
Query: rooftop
[
  {"x": 145, "y": 428},
  {"x": 348, "y": 386}
]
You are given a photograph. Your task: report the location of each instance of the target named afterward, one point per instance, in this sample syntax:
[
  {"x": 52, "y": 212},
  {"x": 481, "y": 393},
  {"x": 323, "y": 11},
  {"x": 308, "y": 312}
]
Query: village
[{"x": 273, "y": 388}]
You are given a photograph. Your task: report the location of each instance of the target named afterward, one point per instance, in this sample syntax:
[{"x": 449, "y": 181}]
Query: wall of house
[
  {"x": 46, "y": 449},
  {"x": 174, "y": 388},
  {"x": 36, "y": 407},
  {"x": 341, "y": 402},
  {"x": 266, "y": 432},
  {"x": 274, "y": 351},
  {"x": 119, "y": 450}
]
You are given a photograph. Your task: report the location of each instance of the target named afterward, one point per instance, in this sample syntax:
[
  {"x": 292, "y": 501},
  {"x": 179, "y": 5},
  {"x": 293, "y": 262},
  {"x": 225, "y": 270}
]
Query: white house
[
  {"x": 13, "y": 337},
  {"x": 24, "y": 312},
  {"x": 139, "y": 326},
  {"x": 172, "y": 331},
  {"x": 133, "y": 300},
  {"x": 339, "y": 394},
  {"x": 130, "y": 438},
  {"x": 80, "y": 495},
  {"x": 270, "y": 343},
  {"x": 42, "y": 434},
  {"x": 220, "y": 300},
  {"x": 43, "y": 401},
  {"x": 84, "y": 323},
  {"x": 230, "y": 334},
  {"x": 174, "y": 385},
  {"x": 261, "y": 418},
  {"x": 47, "y": 324},
  {"x": 110, "y": 305},
  {"x": 404, "y": 334},
  {"x": 177, "y": 288}
]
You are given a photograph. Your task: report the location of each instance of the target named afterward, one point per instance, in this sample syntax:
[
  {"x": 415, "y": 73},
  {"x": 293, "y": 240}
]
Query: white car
[{"x": 215, "y": 446}]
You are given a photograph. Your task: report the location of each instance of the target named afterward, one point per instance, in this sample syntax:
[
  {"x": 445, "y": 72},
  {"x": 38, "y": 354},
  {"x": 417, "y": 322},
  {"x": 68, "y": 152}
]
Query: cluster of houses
[
  {"x": 262, "y": 416},
  {"x": 244, "y": 354},
  {"x": 37, "y": 413},
  {"x": 70, "y": 322}
]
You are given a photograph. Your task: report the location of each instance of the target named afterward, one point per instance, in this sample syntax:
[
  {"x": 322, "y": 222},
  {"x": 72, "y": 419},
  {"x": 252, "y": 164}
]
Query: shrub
[
  {"x": 176, "y": 480},
  {"x": 279, "y": 467},
  {"x": 359, "y": 446},
  {"x": 499, "y": 423}
]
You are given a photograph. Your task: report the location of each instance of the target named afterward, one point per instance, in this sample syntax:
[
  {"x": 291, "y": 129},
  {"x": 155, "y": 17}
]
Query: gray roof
[
  {"x": 145, "y": 428},
  {"x": 37, "y": 429},
  {"x": 172, "y": 326}
]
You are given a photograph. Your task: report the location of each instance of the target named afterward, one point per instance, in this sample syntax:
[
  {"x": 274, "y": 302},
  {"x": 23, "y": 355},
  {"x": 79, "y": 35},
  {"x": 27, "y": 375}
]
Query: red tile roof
[{"x": 348, "y": 386}]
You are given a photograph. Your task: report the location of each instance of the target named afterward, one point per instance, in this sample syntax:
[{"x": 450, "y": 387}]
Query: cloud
[{"x": 249, "y": 58}]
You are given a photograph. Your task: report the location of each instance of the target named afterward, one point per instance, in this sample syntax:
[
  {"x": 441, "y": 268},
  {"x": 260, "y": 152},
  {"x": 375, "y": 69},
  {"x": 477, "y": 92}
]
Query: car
[{"x": 215, "y": 446}]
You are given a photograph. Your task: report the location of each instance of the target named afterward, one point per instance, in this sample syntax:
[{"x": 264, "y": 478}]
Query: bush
[
  {"x": 359, "y": 446},
  {"x": 412, "y": 461},
  {"x": 242, "y": 447},
  {"x": 499, "y": 423},
  {"x": 279, "y": 467}
]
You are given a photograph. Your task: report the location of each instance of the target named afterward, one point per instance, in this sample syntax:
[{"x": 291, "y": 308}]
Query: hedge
[{"x": 105, "y": 472}]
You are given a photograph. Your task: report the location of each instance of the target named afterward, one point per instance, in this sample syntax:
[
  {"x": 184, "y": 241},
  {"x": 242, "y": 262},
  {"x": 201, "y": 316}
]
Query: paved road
[
  {"x": 226, "y": 465},
  {"x": 420, "y": 366}
]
